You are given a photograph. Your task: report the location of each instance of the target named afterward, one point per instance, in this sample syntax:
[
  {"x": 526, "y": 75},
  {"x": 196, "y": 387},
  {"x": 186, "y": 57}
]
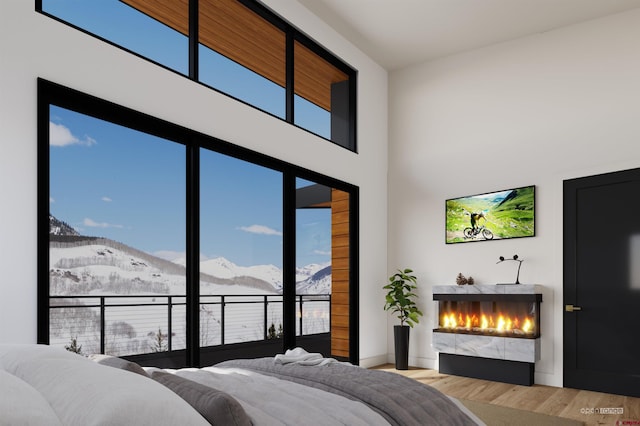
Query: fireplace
[{"x": 488, "y": 331}]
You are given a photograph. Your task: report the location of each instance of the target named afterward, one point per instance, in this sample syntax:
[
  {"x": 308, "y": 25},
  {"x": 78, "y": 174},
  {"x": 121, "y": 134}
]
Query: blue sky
[
  {"x": 111, "y": 181},
  {"x": 123, "y": 25}
]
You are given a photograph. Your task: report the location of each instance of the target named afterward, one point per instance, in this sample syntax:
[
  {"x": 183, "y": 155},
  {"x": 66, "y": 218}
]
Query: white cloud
[
  {"x": 106, "y": 199},
  {"x": 322, "y": 252},
  {"x": 60, "y": 135},
  {"x": 52, "y": 200},
  {"x": 93, "y": 224},
  {"x": 260, "y": 229}
]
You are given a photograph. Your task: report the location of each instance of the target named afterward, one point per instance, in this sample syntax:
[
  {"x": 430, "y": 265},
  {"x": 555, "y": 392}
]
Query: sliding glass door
[
  {"x": 173, "y": 248},
  {"x": 241, "y": 215}
]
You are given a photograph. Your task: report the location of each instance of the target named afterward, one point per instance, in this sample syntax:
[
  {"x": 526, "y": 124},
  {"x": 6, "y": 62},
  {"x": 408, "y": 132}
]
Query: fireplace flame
[{"x": 500, "y": 323}]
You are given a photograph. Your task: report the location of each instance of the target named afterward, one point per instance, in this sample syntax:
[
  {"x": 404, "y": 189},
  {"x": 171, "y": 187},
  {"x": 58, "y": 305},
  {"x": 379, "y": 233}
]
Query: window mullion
[
  {"x": 289, "y": 261},
  {"x": 193, "y": 256},
  {"x": 289, "y": 77},
  {"x": 193, "y": 39}
]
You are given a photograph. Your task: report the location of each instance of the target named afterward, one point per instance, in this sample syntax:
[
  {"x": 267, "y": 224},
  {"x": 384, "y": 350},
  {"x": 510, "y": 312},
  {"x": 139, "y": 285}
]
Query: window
[
  {"x": 321, "y": 96},
  {"x": 117, "y": 221},
  {"x": 242, "y": 54},
  {"x": 241, "y": 215},
  {"x": 156, "y": 242},
  {"x": 119, "y": 23},
  {"x": 237, "y": 47}
]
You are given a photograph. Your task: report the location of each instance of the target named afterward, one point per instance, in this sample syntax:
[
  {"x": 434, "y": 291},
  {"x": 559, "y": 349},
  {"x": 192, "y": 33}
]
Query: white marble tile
[
  {"x": 522, "y": 289},
  {"x": 444, "y": 342},
  {"x": 525, "y": 350},
  {"x": 485, "y": 289},
  {"x": 488, "y": 289},
  {"x": 449, "y": 289},
  {"x": 482, "y": 346},
  {"x": 509, "y": 348}
]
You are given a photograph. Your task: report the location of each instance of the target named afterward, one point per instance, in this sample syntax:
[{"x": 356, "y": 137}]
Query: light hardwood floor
[{"x": 562, "y": 402}]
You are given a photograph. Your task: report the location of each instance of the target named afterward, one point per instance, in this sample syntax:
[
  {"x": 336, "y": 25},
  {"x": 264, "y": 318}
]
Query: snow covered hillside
[{"x": 91, "y": 266}]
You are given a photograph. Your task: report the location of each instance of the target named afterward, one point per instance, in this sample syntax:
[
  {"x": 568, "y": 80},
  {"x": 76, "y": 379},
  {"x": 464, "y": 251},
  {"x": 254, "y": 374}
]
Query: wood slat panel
[
  {"x": 342, "y": 263},
  {"x": 173, "y": 13},
  {"x": 337, "y": 195},
  {"x": 340, "y": 240},
  {"x": 340, "y": 298},
  {"x": 339, "y": 320},
  {"x": 341, "y": 217},
  {"x": 340, "y": 353},
  {"x": 339, "y": 267},
  {"x": 313, "y": 76},
  {"x": 340, "y": 229},
  {"x": 233, "y": 30},
  {"x": 341, "y": 252},
  {"x": 340, "y": 277},
  {"x": 340, "y": 333},
  {"x": 340, "y": 310},
  {"x": 339, "y": 344}
]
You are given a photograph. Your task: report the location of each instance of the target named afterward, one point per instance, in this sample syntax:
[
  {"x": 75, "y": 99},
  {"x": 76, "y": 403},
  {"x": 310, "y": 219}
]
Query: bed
[{"x": 43, "y": 385}]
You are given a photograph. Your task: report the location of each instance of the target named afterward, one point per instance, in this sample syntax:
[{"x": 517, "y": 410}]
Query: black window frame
[
  {"x": 50, "y": 93},
  {"x": 292, "y": 34}
]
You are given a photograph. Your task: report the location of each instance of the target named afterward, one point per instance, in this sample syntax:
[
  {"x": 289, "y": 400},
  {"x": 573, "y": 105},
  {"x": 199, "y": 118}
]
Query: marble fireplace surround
[{"x": 495, "y": 347}]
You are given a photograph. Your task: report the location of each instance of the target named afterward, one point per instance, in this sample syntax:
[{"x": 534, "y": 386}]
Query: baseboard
[{"x": 374, "y": 361}]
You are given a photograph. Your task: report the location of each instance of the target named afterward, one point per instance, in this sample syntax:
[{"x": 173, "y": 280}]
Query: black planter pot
[{"x": 401, "y": 343}]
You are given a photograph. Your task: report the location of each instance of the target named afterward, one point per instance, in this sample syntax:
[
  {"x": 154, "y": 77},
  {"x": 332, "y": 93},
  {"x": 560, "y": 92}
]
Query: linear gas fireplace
[
  {"x": 490, "y": 318},
  {"x": 488, "y": 331}
]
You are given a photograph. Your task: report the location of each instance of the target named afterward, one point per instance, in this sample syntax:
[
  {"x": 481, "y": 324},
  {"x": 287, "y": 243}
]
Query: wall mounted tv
[{"x": 491, "y": 216}]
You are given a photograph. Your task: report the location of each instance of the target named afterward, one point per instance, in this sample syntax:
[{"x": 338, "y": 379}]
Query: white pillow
[
  {"x": 12, "y": 355},
  {"x": 21, "y": 404},
  {"x": 84, "y": 393}
]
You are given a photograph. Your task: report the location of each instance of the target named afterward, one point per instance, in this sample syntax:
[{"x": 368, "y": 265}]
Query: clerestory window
[{"x": 237, "y": 47}]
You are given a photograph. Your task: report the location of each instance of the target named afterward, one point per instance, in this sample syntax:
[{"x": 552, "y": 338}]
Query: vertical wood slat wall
[{"x": 339, "y": 273}]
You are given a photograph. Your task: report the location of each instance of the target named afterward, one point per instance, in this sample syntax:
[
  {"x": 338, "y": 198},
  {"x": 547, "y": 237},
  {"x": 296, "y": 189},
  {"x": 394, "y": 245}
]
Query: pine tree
[{"x": 73, "y": 346}]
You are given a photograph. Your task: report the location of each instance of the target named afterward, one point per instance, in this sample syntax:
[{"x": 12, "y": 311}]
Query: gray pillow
[
  {"x": 216, "y": 406},
  {"x": 120, "y": 363}
]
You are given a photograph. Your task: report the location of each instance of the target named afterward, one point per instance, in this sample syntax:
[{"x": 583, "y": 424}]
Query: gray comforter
[{"x": 400, "y": 400}]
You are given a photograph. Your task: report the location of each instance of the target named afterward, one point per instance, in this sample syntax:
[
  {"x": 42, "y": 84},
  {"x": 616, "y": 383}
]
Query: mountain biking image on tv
[{"x": 495, "y": 215}]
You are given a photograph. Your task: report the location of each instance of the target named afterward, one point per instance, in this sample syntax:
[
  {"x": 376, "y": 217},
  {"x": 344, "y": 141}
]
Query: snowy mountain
[
  {"x": 319, "y": 282},
  {"x": 58, "y": 227},
  {"x": 91, "y": 265}
]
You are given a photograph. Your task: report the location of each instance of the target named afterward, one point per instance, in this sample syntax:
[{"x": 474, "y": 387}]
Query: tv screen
[{"x": 491, "y": 216}]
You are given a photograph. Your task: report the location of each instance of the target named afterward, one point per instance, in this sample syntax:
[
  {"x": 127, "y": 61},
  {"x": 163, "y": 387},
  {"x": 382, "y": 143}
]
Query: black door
[{"x": 602, "y": 283}]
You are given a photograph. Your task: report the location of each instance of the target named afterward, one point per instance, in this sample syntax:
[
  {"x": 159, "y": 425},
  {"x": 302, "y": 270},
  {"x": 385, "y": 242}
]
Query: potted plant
[{"x": 400, "y": 299}]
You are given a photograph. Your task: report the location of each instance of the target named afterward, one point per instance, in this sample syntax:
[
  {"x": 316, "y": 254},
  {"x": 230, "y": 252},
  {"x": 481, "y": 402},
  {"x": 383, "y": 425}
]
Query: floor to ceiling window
[{"x": 158, "y": 242}]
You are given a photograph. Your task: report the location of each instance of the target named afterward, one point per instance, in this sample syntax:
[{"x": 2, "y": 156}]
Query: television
[{"x": 491, "y": 216}]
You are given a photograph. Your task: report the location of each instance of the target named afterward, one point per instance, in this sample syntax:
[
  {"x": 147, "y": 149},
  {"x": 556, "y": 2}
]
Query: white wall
[
  {"x": 33, "y": 45},
  {"x": 534, "y": 111}
]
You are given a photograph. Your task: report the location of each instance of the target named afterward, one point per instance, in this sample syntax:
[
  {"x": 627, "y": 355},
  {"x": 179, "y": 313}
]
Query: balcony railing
[{"x": 138, "y": 324}]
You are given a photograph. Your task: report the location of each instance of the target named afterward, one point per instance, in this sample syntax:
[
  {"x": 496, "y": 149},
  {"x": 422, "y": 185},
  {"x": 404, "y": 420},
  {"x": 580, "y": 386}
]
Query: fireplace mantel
[{"x": 484, "y": 347}]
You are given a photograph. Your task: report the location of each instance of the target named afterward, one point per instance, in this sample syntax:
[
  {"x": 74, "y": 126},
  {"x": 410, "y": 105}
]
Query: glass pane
[
  {"x": 117, "y": 224},
  {"x": 241, "y": 250},
  {"x": 314, "y": 253},
  {"x": 156, "y": 30},
  {"x": 321, "y": 96},
  {"x": 242, "y": 55}
]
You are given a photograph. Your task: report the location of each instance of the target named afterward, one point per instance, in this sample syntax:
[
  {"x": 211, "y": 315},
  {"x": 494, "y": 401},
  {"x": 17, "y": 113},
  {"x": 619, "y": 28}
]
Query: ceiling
[{"x": 399, "y": 33}]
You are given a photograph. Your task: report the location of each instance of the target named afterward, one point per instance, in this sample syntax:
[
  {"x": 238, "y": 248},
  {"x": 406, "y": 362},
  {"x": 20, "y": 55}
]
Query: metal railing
[{"x": 137, "y": 324}]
